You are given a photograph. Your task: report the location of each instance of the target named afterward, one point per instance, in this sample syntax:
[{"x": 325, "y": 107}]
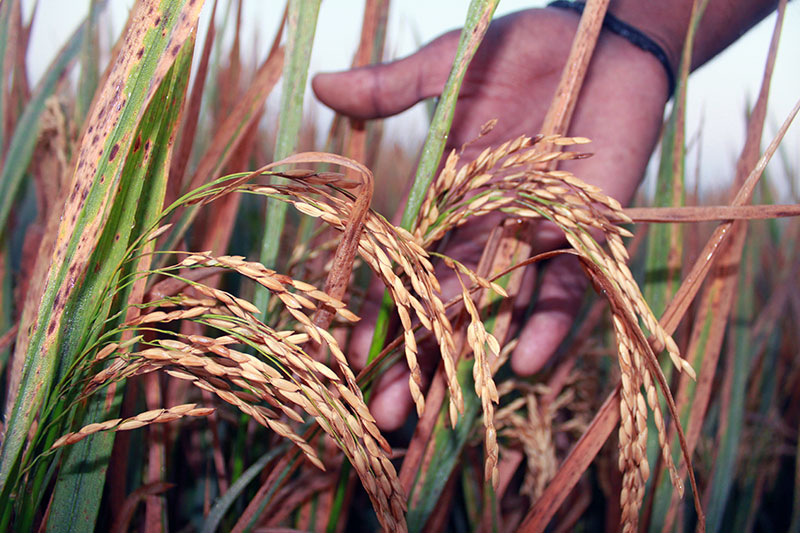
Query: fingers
[
  {"x": 560, "y": 295},
  {"x": 387, "y": 89}
]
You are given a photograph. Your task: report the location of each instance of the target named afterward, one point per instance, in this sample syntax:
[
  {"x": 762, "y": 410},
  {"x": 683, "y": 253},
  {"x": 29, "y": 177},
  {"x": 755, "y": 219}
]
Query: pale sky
[{"x": 718, "y": 92}]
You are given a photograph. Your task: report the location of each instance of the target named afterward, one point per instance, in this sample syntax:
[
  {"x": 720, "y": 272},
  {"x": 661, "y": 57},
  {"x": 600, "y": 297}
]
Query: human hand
[{"x": 512, "y": 78}]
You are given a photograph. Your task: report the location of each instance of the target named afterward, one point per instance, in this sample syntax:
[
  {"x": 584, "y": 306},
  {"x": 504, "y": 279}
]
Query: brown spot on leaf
[
  {"x": 157, "y": 21},
  {"x": 137, "y": 143},
  {"x": 140, "y": 53},
  {"x": 114, "y": 150},
  {"x": 175, "y": 50}
]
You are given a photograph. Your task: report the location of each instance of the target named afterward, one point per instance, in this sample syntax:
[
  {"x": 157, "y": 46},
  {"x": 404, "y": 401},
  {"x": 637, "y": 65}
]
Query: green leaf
[
  {"x": 478, "y": 17},
  {"x": 302, "y": 23},
  {"x": 225, "y": 501},
  {"x": 664, "y": 253},
  {"x": 79, "y": 489},
  {"x": 90, "y": 65},
  {"x": 448, "y": 445},
  {"x": 727, "y": 451}
]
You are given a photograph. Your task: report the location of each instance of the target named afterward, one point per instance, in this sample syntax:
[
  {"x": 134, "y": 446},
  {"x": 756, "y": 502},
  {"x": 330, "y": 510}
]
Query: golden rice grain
[{"x": 143, "y": 419}]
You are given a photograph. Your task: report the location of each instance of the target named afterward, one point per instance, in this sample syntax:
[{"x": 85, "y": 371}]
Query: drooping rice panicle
[
  {"x": 478, "y": 339},
  {"x": 508, "y": 180},
  {"x": 269, "y": 386}
]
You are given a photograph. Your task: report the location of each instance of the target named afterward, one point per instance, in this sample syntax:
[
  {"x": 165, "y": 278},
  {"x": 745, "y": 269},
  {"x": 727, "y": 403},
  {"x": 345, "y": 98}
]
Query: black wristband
[{"x": 630, "y": 34}]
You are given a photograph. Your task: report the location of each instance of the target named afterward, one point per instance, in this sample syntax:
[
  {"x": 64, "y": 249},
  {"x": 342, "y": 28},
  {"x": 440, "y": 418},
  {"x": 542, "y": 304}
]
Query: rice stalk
[{"x": 301, "y": 27}]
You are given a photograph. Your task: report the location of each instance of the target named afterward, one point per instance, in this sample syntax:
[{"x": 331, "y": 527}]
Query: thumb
[{"x": 383, "y": 90}]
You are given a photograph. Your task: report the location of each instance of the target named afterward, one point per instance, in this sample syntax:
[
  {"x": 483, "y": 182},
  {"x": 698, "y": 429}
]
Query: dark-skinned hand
[{"x": 512, "y": 78}]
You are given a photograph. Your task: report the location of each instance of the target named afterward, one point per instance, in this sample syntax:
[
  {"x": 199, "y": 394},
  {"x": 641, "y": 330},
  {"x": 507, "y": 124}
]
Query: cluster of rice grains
[
  {"x": 507, "y": 179},
  {"x": 382, "y": 246},
  {"x": 268, "y": 386},
  {"x": 526, "y": 421},
  {"x": 284, "y": 377}
]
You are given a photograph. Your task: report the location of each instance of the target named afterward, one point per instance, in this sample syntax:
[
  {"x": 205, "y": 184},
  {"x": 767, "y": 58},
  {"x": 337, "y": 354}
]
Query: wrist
[
  {"x": 665, "y": 55},
  {"x": 665, "y": 23}
]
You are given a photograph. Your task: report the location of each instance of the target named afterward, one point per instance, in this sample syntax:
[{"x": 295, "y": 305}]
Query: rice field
[{"x": 181, "y": 280}]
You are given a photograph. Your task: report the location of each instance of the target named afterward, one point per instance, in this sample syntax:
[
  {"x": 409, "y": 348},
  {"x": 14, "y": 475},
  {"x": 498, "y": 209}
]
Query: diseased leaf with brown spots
[{"x": 149, "y": 49}]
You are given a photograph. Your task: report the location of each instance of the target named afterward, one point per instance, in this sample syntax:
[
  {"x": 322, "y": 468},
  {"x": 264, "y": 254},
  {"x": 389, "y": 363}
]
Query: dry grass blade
[
  {"x": 232, "y": 131},
  {"x": 339, "y": 275},
  {"x": 688, "y": 289},
  {"x": 719, "y": 295},
  {"x": 122, "y": 523},
  {"x": 370, "y": 50},
  {"x": 559, "y": 114},
  {"x": 709, "y": 213}
]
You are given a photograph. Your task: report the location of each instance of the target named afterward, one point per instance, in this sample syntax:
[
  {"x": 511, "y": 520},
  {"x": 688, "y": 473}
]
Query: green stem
[
  {"x": 302, "y": 22},
  {"x": 478, "y": 17}
]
